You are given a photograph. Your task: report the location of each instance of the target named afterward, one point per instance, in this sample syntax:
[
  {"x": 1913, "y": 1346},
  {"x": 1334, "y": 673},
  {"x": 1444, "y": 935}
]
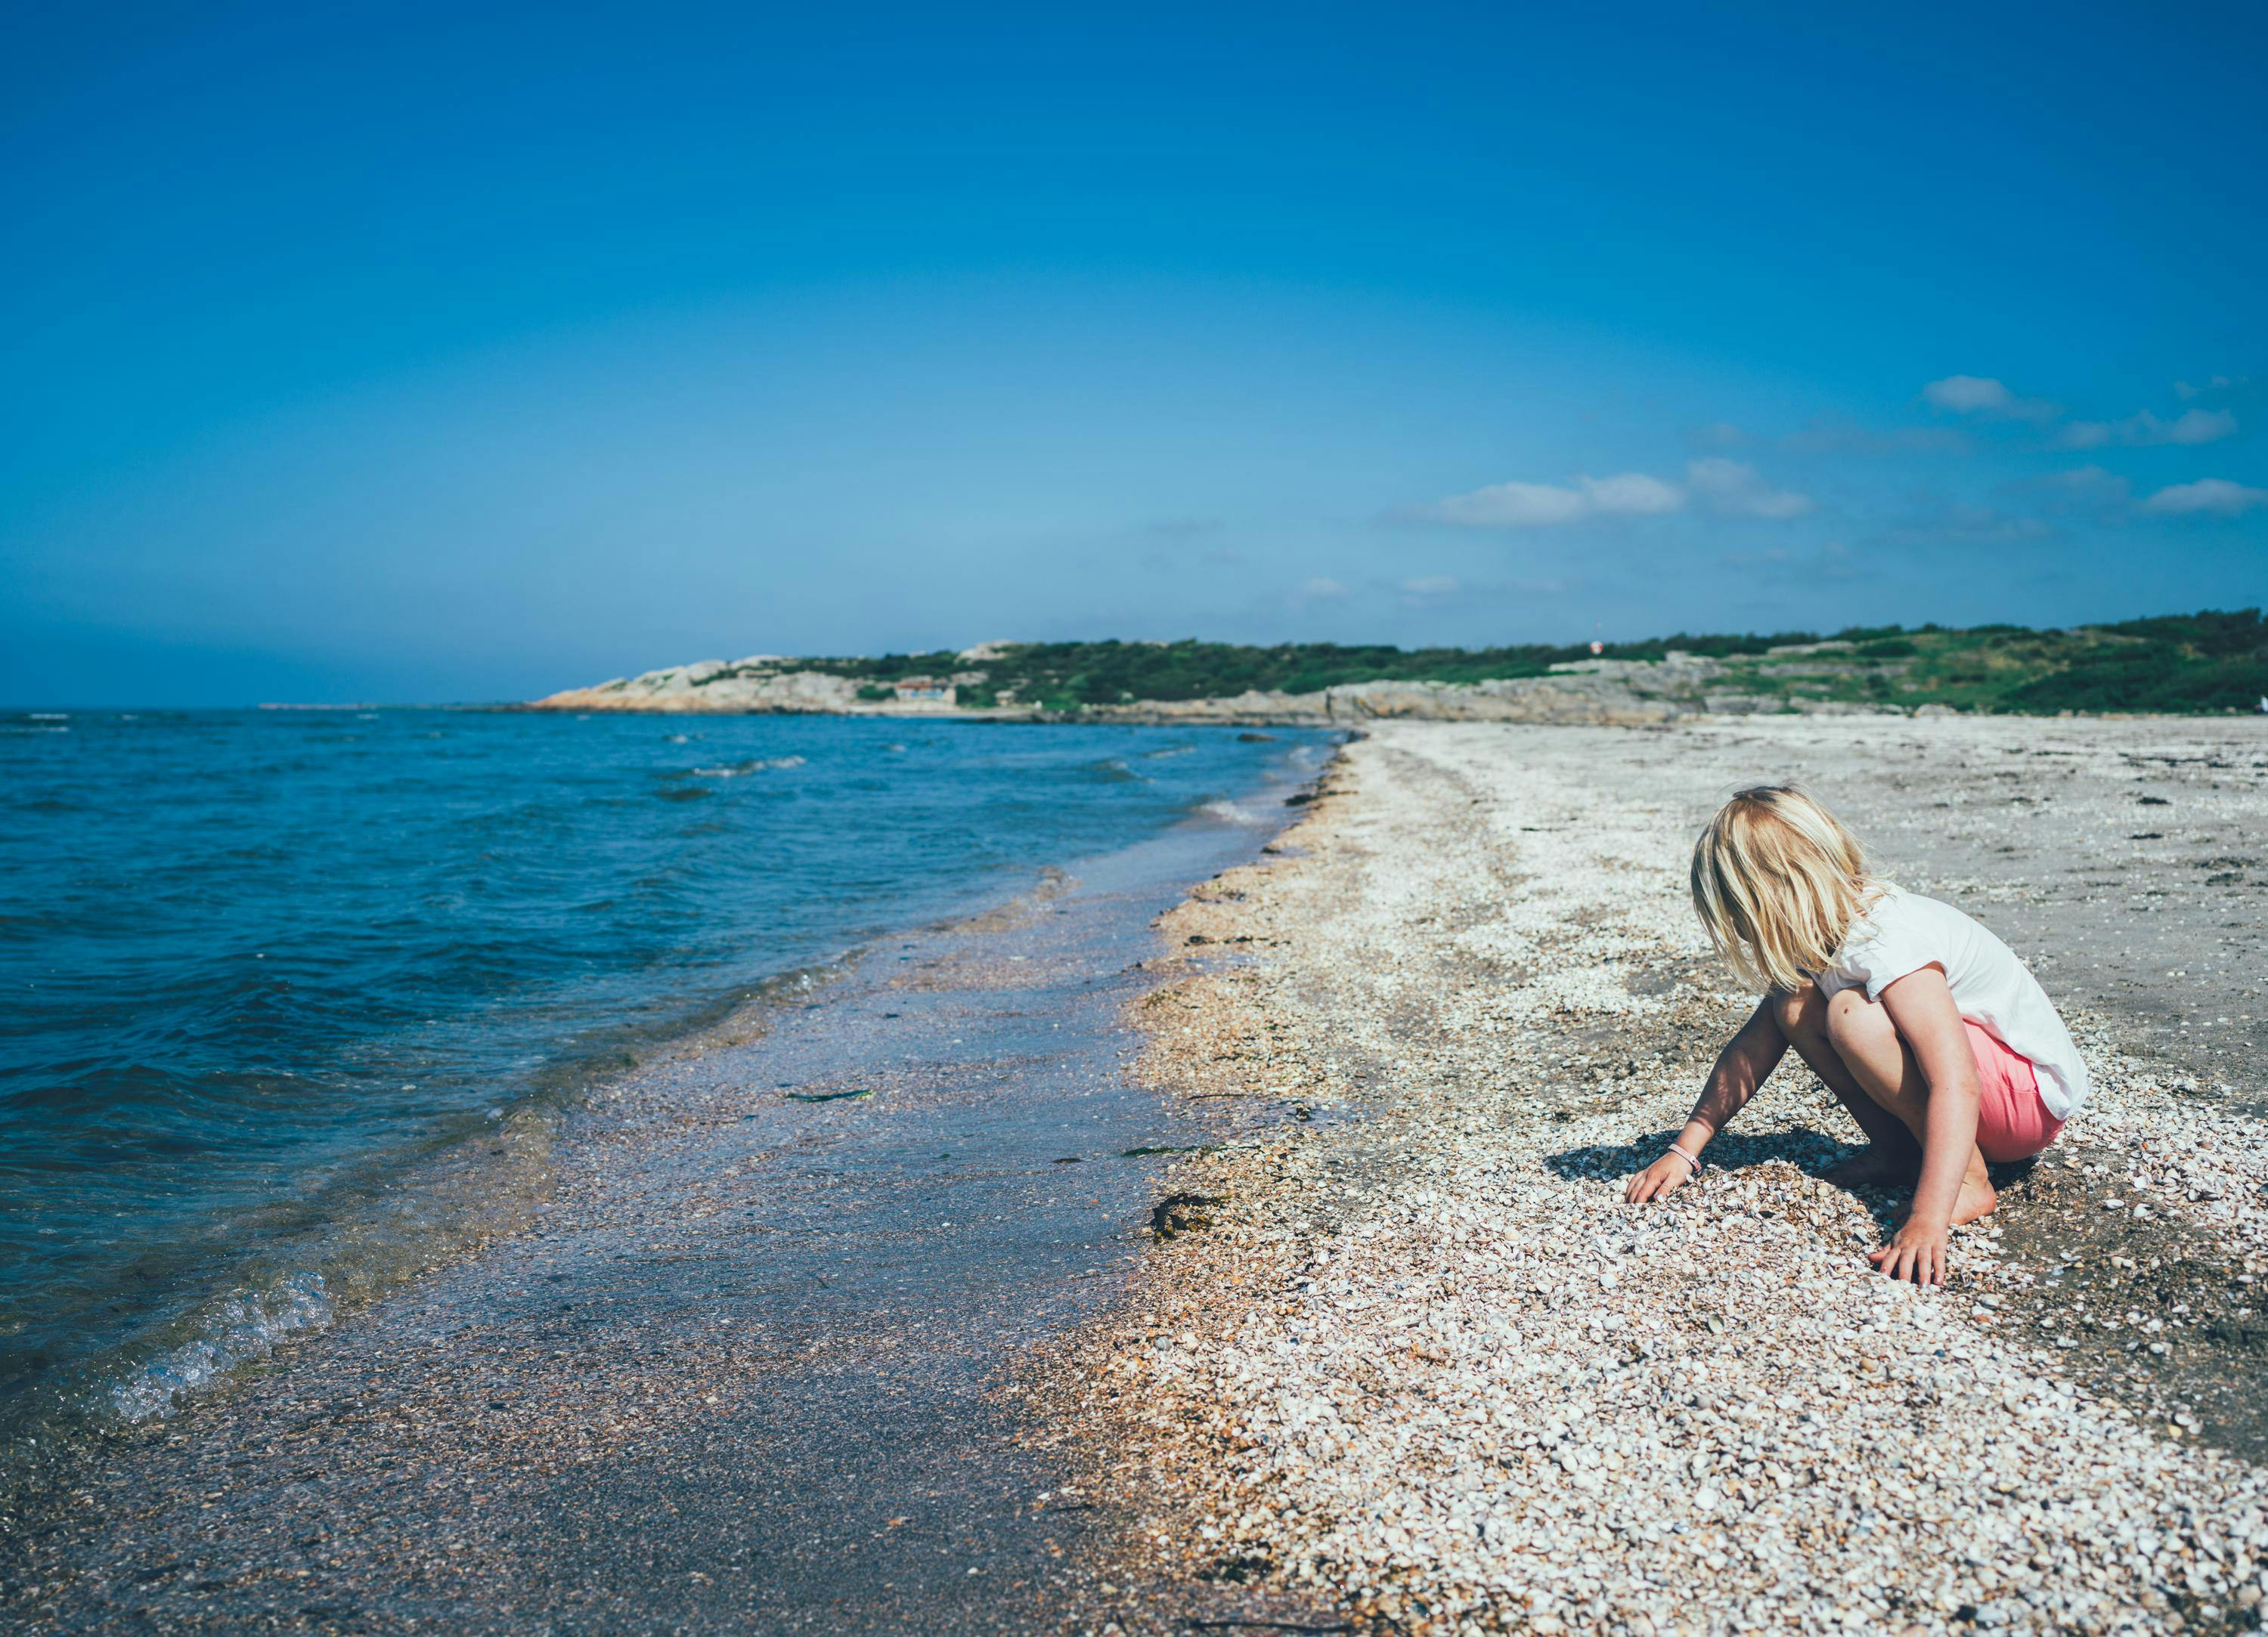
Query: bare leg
[
  {"x": 1874, "y": 1055},
  {"x": 1891, "y": 1154}
]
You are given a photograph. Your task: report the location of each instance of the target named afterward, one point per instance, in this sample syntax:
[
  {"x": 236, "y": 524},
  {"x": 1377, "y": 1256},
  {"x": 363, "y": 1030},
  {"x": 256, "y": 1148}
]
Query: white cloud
[
  {"x": 2191, "y": 389},
  {"x": 2086, "y": 486},
  {"x": 1431, "y": 585},
  {"x": 1738, "y": 491},
  {"x": 1322, "y": 587},
  {"x": 1510, "y": 506},
  {"x": 1720, "y": 435},
  {"x": 2217, "y": 496},
  {"x": 2192, "y": 426},
  {"x": 1633, "y": 494},
  {"x": 1981, "y": 394},
  {"x": 1541, "y": 505},
  {"x": 1967, "y": 393},
  {"x": 1937, "y": 518}
]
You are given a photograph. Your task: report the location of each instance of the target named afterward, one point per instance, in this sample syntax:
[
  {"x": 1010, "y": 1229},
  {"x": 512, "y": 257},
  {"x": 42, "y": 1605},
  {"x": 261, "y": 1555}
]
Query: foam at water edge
[
  {"x": 1229, "y": 812},
  {"x": 755, "y": 764},
  {"x": 239, "y": 1329}
]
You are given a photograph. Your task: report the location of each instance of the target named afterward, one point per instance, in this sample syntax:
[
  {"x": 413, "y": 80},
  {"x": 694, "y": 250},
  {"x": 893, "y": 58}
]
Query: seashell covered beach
[{"x": 1424, "y": 1370}]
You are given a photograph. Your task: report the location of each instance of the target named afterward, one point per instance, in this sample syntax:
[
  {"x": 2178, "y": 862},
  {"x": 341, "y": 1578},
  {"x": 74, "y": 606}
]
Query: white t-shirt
[{"x": 1902, "y": 932}]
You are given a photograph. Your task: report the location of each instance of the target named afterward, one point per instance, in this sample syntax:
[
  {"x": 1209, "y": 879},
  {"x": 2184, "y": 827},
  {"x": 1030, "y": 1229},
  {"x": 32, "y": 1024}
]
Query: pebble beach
[{"x": 1403, "y": 1360}]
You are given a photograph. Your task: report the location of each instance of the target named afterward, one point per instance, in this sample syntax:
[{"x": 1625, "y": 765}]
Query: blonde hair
[{"x": 1777, "y": 882}]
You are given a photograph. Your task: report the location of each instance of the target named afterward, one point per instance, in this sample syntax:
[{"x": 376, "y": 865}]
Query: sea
[{"x": 298, "y": 1004}]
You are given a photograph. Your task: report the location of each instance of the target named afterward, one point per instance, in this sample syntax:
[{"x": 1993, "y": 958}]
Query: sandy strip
[{"x": 1424, "y": 1360}]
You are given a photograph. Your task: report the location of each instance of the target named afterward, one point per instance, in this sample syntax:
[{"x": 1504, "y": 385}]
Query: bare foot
[
  {"x": 1976, "y": 1198},
  {"x": 1873, "y": 1165}
]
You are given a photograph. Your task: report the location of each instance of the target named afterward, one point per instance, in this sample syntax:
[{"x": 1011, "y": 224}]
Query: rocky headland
[
  {"x": 2203, "y": 664},
  {"x": 1598, "y": 693}
]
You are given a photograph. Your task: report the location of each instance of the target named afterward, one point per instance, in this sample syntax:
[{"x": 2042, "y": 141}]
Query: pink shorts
[{"x": 2012, "y": 1122}]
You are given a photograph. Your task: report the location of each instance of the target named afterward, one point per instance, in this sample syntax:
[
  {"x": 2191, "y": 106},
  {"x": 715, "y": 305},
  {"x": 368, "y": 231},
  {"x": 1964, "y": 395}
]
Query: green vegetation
[
  {"x": 2202, "y": 662},
  {"x": 1098, "y": 673},
  {"x": 2185, "y": 662},
  {"x": 2192, "y": 662}
]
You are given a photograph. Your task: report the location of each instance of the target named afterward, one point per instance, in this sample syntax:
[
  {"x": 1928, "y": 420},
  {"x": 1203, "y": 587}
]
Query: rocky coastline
[{"x": 1596, "y": 692}]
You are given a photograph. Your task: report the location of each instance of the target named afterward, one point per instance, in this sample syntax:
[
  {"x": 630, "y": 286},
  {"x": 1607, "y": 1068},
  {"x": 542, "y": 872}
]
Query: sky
[{"x": 466, "y": 352}]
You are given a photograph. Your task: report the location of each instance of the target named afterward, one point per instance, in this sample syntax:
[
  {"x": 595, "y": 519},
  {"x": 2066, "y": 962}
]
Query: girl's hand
[
  {"x": 1916, "y": 1254},
  {"x": 1658, "y": 1181}
]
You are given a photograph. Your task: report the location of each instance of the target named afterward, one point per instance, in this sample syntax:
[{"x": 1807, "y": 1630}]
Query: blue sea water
[{"x": 293, "y": 1003}]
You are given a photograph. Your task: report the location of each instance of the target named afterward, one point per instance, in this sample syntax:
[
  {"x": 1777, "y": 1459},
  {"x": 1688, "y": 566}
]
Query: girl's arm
[
  {"x": 1921, "y": 1007},
  {"x": 1747, "y": 1061}
]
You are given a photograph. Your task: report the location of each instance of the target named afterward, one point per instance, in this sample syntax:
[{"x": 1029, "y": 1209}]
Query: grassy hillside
[{"x": 2202, "y": 662}]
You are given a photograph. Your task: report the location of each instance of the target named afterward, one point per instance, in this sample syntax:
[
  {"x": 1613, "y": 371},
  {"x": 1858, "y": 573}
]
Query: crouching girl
[{"x": 1937, "y": 1039}]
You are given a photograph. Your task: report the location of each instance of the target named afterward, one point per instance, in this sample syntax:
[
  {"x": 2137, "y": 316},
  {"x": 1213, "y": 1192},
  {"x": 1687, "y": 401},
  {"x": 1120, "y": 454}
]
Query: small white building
[{"x": 925, "y": 691}]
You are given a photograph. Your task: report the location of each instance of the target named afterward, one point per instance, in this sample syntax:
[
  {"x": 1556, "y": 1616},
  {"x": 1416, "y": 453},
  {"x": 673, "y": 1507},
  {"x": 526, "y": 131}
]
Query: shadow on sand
[
  {"x": 1803, "y": 1148},
  {"x": 1809, "y": 1151}
]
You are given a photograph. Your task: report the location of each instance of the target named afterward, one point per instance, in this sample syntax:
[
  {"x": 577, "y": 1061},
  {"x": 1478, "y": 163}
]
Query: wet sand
[
  {"x": 746, "y": 1374},
  {"x": 1427, "y": 1366}
]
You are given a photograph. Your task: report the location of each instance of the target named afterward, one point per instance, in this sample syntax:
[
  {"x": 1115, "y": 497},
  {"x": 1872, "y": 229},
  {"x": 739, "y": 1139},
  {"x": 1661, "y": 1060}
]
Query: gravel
[{"x": 1424, "y": 1365}]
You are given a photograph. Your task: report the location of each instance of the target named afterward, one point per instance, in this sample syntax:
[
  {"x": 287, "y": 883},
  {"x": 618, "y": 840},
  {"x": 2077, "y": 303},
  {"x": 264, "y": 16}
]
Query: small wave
[
  {"x": 1114, "y": 768},
  {"x": 1169, "y": 750},
  {"x": 1228, "y": 812},
  {"x": 754, "y": 764},
  {"x": 49, "y": 715},
  {"x": 1053, "y": 884},
  {"x": 238, "y": 1330}
]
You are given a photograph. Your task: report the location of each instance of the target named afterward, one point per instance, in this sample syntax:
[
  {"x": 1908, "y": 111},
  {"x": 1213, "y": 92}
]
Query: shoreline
[
  {"x": 470, "y": 1187},
  {"x": 1425, "y": 1366},
  {"x": 765, "y": 1301},
  {"x": 492, "y": 1058}
]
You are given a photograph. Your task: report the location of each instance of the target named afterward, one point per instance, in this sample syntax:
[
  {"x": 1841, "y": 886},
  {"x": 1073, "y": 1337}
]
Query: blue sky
[{"x": 465, "y": 352}]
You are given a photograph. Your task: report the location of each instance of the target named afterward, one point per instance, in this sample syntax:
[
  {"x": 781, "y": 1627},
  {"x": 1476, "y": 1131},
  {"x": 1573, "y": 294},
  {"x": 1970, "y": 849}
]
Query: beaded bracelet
[{"x": 1694, "y": 1161}]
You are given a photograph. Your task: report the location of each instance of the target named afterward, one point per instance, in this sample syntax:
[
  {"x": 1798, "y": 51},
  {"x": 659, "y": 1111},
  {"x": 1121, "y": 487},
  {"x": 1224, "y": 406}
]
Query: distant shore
[
  {"x": 1593, "y": 693},
  {"x": 2207, "y": 662}
]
